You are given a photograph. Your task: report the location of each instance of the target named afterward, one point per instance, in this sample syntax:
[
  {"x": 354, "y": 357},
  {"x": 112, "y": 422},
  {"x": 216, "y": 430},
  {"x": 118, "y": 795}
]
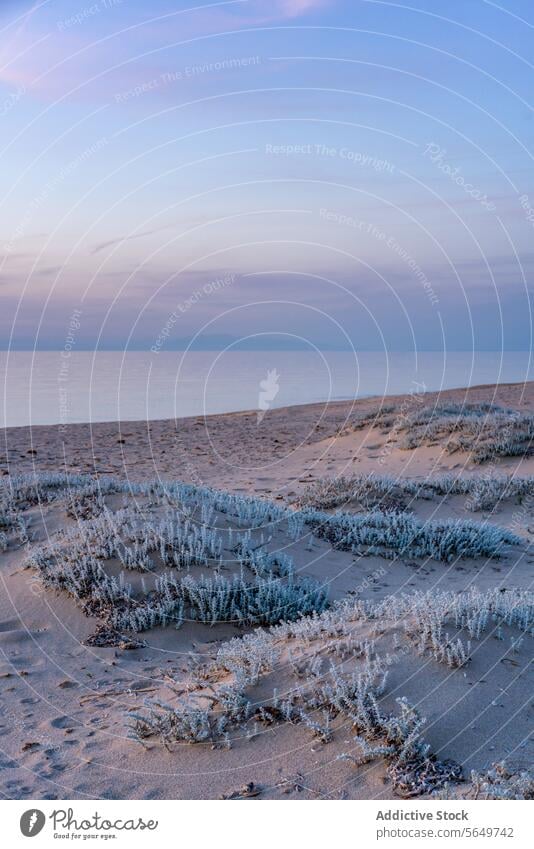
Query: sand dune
[{"x": 67, "y": 705}]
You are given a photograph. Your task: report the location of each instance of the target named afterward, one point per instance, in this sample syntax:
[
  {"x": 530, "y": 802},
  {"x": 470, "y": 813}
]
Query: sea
[{"x": 63, "y": 387}]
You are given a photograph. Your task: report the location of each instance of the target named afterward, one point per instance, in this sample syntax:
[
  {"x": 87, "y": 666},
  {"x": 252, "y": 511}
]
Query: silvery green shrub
[{"x": 392, "y": 534}]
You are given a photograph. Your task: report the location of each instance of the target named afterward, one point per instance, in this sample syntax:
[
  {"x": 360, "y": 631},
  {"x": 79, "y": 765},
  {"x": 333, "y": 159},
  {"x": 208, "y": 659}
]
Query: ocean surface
[{"x": 56, "y": 387}]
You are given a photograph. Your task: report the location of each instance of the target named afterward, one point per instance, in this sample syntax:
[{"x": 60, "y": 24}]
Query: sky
[{"x": 324, "y": 174}]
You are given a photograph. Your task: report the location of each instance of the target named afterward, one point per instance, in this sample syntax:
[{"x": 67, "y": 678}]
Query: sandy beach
[
  {"x": 66, "y": 705},
  {"x": 232, "y": 451}
]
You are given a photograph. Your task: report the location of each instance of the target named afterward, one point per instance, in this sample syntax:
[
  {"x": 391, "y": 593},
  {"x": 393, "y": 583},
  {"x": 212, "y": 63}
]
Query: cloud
[
  {"x": 9, "y": 257},
  {"x": 120, "y": 239},
  {"x": 255, "y": 12},
  {"x": 50, "y": 270},
  {"x": 296, "y": 8}
]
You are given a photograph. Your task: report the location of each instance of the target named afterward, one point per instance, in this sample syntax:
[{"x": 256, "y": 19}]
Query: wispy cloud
[
  {"x": 101, "y": 246},
  {"x": 296, "y": 8},
  {"x": 49, "y": 271},
  {"x": 255, "y": 11}
]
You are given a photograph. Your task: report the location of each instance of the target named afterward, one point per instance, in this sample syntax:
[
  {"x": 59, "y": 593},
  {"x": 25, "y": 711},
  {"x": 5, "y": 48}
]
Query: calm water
[{"x": 51, "y": 388}]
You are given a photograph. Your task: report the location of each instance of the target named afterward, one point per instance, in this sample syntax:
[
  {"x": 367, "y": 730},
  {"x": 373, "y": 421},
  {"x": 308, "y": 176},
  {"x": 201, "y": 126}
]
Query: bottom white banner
[{"x": 268, "y": 824}]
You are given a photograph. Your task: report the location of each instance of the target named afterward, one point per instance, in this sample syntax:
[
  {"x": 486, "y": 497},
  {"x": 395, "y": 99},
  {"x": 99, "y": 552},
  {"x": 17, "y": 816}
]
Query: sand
[{"x": 64, "y": 705}]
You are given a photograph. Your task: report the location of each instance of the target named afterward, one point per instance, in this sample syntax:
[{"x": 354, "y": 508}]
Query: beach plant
[
  {"x": 75, "y": 561},
  {"x": 502, "y": 782},
  {"x": 169, "y": 528},
  {"x": 499, "y": 781},
  {"x": 388, "y": 493},
  {"x": 393, "y": 534},
  {"x": 210, "y": 600},
  {"x": 395, "y": 736},
  {"x": 485, "y": 431},
  {"x": 323, "y": 696},
  {"x": 172, "y": 723},
  {"x": 423, "y": 617},
  {"x": 370, "y": 492}
]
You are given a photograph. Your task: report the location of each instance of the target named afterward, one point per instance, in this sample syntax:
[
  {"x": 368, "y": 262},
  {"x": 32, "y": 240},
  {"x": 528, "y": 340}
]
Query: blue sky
[{"x": 267, "y": 173}]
